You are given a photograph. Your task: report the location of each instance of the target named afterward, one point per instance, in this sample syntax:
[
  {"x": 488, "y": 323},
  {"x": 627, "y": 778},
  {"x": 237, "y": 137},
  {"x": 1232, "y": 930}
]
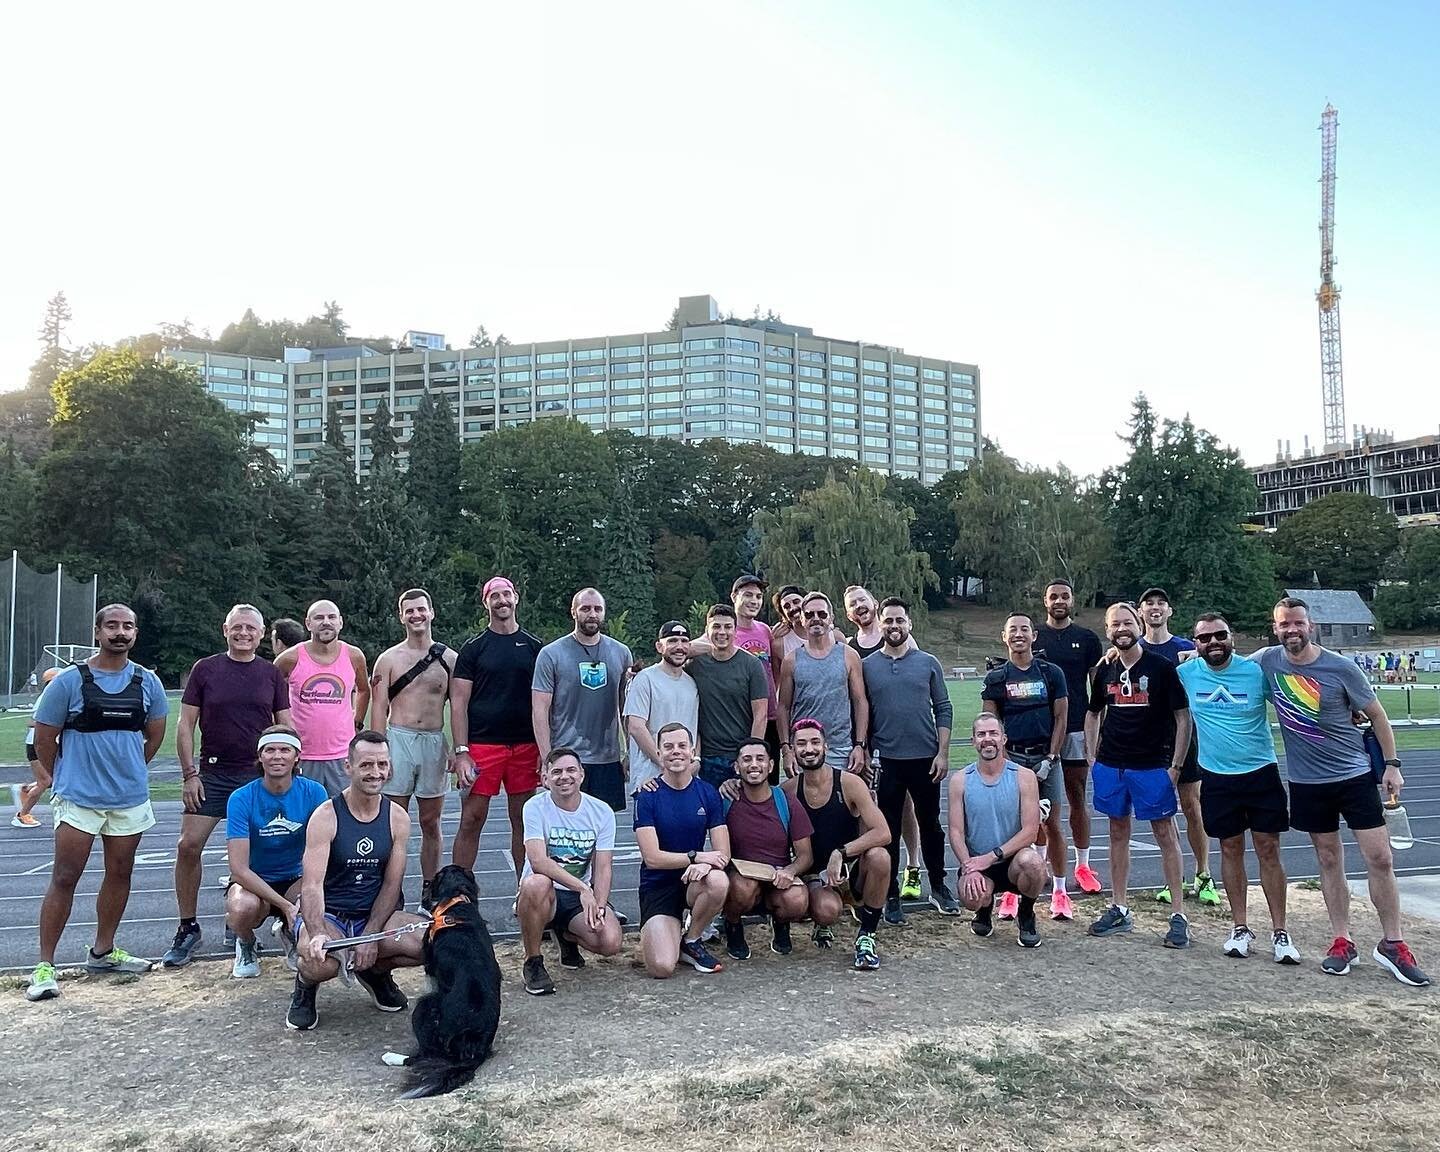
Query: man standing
[
  {"x": 682, "y": 886},
  {"x": 659, "y": 695},
  {"x": 410, "y": 687},
  {"x": 910, "y": 713},
  {"x": 569, "y": 847},
  {"x": 1240, "y": 784},
  {"x": 112, "y": 712},
  {"x": 1075, "y": 650},
  {"x": 285, "y": 633},
  {"x": 822, "y": 681},
  {"x": 1031, "y": 698},
  {"x": 576, "y": 694},
  {"x": 329, "y": 695},
  {"x": 994, "y": 819},
  {"x": 1138, "y": 723},
  {"x": 747, "y": 597},
  {"x": 1156, "y": 611},
  {"x": 355, "y": 850},
  {"x": 492, "y": 724},
  {"x": 732, "y": 693},
  {"x": 265, "y": 841},
  {"x": 233, "y": 697},
  {"x": 1315, "y": 693}
]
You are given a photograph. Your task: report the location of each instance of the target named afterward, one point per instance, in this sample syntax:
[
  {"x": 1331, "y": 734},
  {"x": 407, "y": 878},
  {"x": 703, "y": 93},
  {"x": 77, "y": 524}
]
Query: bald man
[
  {"x": 576, "y": 694},
  {"x": 329, "y": 695}
]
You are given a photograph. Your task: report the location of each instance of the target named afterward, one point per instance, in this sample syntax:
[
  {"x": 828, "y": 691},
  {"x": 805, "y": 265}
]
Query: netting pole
[
  {"x": 94, "y": 595},
  {"x": 59, "y": 585},
  {"x": 14, "y": 575}
]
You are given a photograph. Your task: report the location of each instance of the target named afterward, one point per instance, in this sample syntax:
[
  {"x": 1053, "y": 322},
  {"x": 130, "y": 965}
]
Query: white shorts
[
  {"x": 419, "y": 763},
  {"x": 103, "y": 821}
]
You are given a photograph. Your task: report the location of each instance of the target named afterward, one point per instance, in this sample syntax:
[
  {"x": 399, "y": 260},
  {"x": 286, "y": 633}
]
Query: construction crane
[{"x": 1332, "y": 376}]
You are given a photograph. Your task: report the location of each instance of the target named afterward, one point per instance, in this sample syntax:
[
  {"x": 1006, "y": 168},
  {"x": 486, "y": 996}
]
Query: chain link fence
[{"x": 48, "y": 622}]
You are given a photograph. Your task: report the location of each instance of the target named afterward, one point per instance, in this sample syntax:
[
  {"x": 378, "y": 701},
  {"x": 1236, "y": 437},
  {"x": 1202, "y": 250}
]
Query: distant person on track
[
  {"x": 112, "y": 713},
  {"x": 329, "y": 695},
  {"x": 31, "y": 793}
]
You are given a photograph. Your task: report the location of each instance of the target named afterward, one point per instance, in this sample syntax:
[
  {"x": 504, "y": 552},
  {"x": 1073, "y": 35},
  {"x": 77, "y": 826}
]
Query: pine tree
[
  {"x": 628, "y": 573},
  {"x": 54, "y": 359}
]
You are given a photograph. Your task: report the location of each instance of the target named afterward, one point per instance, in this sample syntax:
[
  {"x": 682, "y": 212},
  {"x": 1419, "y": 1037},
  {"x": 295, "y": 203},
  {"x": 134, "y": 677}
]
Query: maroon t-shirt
[
  {"x": 237, "y": 701},
  {"x": 757, "y": 834}
]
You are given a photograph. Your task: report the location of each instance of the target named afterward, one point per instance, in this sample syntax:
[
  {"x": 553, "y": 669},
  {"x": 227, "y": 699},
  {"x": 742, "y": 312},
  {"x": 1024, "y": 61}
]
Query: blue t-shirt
[
  {"x": 681, "y": 817},
  {"x": 274, "y": 825},
  {"x": 1171, "y": 649},
  {"x": 1228, "y": 707},
  {"x": 100, "y": 769}
]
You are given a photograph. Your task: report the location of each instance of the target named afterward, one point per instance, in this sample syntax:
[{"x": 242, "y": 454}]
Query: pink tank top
[{"x": 321, "y": 704}]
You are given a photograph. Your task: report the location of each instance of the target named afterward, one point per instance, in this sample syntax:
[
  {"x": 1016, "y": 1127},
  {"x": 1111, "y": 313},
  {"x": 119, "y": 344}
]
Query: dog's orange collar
[{"x": 438, "y": 918}]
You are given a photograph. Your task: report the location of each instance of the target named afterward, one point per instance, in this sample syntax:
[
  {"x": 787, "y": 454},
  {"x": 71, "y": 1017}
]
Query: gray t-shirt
[
  {"x": 661, "y": 699},
  {"x": 1313, "y": 703},
  {"x": 584, "y": 681}
]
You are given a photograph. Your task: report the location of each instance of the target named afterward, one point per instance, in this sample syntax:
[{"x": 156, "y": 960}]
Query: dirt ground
[{"x": 956, "y": 1042}]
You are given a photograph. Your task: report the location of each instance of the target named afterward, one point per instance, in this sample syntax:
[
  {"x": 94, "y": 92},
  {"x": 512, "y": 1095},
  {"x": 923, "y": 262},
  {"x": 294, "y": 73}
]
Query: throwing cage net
[{"x": 47, "y": 620}]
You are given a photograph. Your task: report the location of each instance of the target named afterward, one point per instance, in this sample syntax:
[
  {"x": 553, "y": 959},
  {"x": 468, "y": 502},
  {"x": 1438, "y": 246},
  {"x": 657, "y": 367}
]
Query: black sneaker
[
  {"x": 982, "y": 925},
  {"x": 692, "y": 952},
  {"x": 944, "y": 900},
  {"x": 187, "y": 939},
  {"x": 735, "y": 943},
  {"x": 1179, "y": 934},
  {"x": 780, "y": 938},
  {"x": 570, "y": 954},
  {"x": 823, "y": 936},
  {"x": 383, "y": 990},
  {"x": 894, "y": 914},
  {"x": 302, "y": 1015},
  {"x": 537, "y": 980},
  {"x": 1029, "y": 934},
  {"x": 1396, "y": 958}
]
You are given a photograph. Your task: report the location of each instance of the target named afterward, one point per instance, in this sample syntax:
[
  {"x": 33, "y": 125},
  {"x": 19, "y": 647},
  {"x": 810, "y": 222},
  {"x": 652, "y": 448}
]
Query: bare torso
[{"x": 421, "y": 705}]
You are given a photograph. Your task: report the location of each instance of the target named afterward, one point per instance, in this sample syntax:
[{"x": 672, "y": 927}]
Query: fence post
[
  {"x": 10, "y": 674},
  {"x": 59, "y": 585}
]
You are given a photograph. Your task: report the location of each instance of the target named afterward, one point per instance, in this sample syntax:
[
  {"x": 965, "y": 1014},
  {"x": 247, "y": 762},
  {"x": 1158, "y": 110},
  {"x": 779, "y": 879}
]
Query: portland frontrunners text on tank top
[{"x": 320, "y": 704}]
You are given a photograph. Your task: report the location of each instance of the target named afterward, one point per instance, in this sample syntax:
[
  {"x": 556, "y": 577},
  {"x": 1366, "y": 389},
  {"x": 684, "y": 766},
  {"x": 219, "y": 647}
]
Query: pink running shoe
[
  {"x": 1060, "y": 906},
  {"x": 1009, "y": 906},
  {"x": 1086, "y": 880}
]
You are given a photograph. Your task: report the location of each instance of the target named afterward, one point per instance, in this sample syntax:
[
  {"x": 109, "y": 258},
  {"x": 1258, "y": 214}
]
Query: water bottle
[{"x": 1397, "y": 824}]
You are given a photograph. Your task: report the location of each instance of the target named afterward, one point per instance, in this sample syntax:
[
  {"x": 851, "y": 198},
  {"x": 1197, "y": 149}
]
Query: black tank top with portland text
[{"x": 358, "y": 856}]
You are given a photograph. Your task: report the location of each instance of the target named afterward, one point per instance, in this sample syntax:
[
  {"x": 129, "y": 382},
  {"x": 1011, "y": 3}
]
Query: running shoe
[
  {"x": 28, "y": 820},
  {"x": 735, "y": 943},
  {"x": 1163, "y": 895},
  {"x": 944, "y": 900},
  {"x": 302, "y": 1015},
  {"x": 1337, "y": 960},
  {"x": 42, "y": 984},
  {"x": 1061, "y": 907},
  {"x": 1009, "y": 906},
  {"x": 570, "y": 954},
  {"x": 1112, "y": 922},
  {"x": 1238, "y": 945},
  {"x": 1397, "y": 959},
  {"x": 780, "y": 938},
  {"x": 823, "y": 936},
  {"x": 1205, "y": 890},
  {"x": 187, "y": 939},
  {"x": 867, "y": 956},
  {"x": 1029, "y": 934},
  {"x": 247, "y": 961},
  {"x": 910, "y": 889},
  {"x": 116, "y": 960},
  {"x": 982, "y": 925},
  {"x": 287, "y": 941},
  {"x": 1086, "y": 880},
  {"x": 894, "y": 914},
  {"x": 1285, "y": 952},
  {"x": 537, "y": 980},
  {"x": 711, "y": 933},
  {"x": 1179, "y": 934},
  {"x": 384, "y": 992},
  {"x": 694, "y": 954}
]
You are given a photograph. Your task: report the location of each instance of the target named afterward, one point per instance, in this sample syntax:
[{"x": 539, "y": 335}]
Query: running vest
[
  {"x": 833, "y": 824},
  {"x": 321, "y": 707},
  {"x": 992, "y": 811},
  {"x": 102, "y": 711},
  {"x": 358, "y": 856},
  {"x": 822, "y": 692}
]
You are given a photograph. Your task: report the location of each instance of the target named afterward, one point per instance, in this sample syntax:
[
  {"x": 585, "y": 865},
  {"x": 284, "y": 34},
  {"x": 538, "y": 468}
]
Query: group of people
[
  {"x": 1392, "y": 667},
  {"x": 773, "y": 770}
]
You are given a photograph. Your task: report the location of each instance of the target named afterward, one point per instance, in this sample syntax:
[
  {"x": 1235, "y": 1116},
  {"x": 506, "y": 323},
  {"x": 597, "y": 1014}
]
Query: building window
[
  {"x": 778, "y": 351},
  {"x": 903, "y": 370},
  {"x": 268, "y": 377},
  {"x": 665, "y": 365},
  {"x": 812, "y": 357},
  {"x": 551, "y": 357},
  {"x": 776, "y": 366},
  {"x": 663, "y": 349},
  {"x": 514, "y": 377},
  {"x": 588, "y": 354},
  {"x": 514, "y": 361},
  {"x": 875, "y": 366},
  {"x": 626, "y": 352},
  {"x": 838, "y": 361}
]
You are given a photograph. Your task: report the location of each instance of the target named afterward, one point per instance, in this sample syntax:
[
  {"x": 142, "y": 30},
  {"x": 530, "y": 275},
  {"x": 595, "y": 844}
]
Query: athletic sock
[
  {"x": 190, "y": 923},
  {"x": 1124, "y": 909},
  {"x": 1082, "y": 857},
  {"x": 1027, "y": 905},
  {"x": 870, "y": 919},
  {"x": 98, "y": 955},
  {"x": 1057, "y": 884}
]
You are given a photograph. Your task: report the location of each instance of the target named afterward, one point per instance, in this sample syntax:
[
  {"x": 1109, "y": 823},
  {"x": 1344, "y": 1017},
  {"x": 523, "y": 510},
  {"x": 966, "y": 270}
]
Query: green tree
[
  {"x": 1344, "y": 540},
  {"x": 432, "y": 480},
  {"x": 1411, "y": 599},
  {"x": 17, "y": 501},
  {"x": 628, "y": 574},
  {"x": 54, "y": 359}
]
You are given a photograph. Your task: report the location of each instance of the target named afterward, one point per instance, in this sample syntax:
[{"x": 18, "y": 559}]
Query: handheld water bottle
[{"x": 1397, "y": 824}]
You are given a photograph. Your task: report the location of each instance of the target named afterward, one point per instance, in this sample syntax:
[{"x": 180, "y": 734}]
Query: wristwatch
[
  {"x": 691, "y": 855},
  {"x": 999, "y": 855},
  {"x": 1392, "y": 763}
]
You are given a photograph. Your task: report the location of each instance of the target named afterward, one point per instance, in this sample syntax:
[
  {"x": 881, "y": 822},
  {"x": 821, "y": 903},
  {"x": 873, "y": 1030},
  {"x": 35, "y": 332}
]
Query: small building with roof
[{"x": 1341, "y": 618}]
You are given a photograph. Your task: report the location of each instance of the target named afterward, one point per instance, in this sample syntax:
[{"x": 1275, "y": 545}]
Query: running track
[{"x": 25, "y": 859}]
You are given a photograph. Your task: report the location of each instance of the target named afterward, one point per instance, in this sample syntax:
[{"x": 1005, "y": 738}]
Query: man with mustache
[{"x": 329, "y": 695}]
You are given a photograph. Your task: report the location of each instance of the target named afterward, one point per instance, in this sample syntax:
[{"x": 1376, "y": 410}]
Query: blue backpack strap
[{"x": 782, "y": 806}]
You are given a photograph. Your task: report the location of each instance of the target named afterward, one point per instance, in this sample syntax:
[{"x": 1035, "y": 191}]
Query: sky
[{"x": 1086, "y": 200}]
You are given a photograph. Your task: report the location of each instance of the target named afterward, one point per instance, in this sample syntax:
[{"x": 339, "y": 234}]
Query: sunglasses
[
  {"x": 820, "y": 614},
  {"x": 1206, "y": 637},
  {"x": 1126, "y": 689}
]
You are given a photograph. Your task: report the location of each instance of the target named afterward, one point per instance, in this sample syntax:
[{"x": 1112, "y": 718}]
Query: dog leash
[{"x": 439, "y": 920}]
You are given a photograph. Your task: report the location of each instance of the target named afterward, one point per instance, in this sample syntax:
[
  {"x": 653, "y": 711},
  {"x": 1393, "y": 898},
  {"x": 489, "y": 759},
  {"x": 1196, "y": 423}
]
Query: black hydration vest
[{"x": 102, "y": 711}]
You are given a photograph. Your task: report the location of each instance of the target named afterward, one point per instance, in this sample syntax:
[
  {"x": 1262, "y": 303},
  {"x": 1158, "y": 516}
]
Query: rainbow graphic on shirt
[{"x": 1297, "y": 704}]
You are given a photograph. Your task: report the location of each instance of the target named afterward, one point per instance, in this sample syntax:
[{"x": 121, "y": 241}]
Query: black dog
[{"x": 455, "y": 1021}]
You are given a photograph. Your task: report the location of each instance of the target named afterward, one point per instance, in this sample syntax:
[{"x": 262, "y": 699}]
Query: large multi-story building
[
  {"x": 746, "y": 381},
  {"x": 1404, "y": 473}
]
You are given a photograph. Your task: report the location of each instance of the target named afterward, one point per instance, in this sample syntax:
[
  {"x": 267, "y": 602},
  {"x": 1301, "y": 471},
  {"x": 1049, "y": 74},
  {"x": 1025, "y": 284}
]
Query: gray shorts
[
  {"x": 330, "y": 773},
  {"x": 418, "y": 763},
  {"x": 1073, "y": 750},
  {"x": 1052, "y": 788}
]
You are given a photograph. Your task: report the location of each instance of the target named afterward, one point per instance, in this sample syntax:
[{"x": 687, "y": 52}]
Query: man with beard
[
  {"x": 112, "y": 712},
  {"x": 233, "y": 697},
  {"x": 659, "y": 695},
  {"x": 822, "y": 680},
  {"x": 1315, "y": 694},
  {"x": 733, "y": 696},
  {"x": 849, "y": 841},
  {"x": 1075, "y": 650},
  {"x": 576, "y": 694},
  {"x": 1138, "y": 723},
  {"x": 1239, "y": 782},
  {"x": 329, "y": 695},
  {"x": 787, "y": 630}
]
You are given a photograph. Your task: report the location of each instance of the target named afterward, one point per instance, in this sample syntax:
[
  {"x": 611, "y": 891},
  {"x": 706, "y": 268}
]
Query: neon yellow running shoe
[
  {"x": 910, "y": 889},
  {"x": 42, "y": 984},
  {"x": 1205, "y": 890}
]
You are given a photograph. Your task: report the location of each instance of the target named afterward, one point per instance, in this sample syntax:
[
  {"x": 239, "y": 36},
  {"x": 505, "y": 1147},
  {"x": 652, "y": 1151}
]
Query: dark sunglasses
[
  {"x": 1206, "y": 637},
  {"x": 817, "y": 615}
]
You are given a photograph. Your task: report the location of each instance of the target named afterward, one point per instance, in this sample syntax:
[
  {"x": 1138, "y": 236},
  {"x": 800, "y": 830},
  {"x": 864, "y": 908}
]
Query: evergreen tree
[
  {"x": 628, "y": 575},
  {"x": 54, "y": 359}
]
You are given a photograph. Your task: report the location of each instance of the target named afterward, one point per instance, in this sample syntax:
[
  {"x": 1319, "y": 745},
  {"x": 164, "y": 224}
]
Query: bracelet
[{"x": 189, "y": 776}]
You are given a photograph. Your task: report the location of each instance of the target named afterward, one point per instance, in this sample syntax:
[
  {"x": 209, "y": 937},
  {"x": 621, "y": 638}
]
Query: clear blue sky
[{"x": 1088, "y": 200}]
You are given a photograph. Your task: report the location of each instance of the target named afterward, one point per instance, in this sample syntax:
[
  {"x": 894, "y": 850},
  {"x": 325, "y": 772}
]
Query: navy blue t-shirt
[
  {"x": 1024, "y": 698},
  {"x": 681, "y": 817},
  {"x": 1171, "y": 649}
]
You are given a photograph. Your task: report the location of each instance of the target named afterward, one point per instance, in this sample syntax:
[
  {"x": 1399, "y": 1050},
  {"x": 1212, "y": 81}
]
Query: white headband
[{"x": 278, "y": 738}]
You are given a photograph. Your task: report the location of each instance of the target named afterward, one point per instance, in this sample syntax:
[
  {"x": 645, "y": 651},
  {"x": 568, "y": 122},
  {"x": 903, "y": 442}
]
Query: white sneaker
[
  {"x": 1239, "y": 943},
  {"x": 247, "y": 960},
  {"x": 1285, "y": 952}
]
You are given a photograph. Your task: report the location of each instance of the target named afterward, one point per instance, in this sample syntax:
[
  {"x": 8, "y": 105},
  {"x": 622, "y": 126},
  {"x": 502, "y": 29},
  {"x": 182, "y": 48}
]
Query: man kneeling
[
  {"x": 351, "y": 886},
  {"x": 765, "y": 831},
  {"x": 994, "y": 820},
  {"x": 565, "y": 886}
]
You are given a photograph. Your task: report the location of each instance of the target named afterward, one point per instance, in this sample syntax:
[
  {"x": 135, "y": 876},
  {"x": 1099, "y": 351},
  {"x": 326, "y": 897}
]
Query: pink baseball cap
[{"x": 494, "y": 584}]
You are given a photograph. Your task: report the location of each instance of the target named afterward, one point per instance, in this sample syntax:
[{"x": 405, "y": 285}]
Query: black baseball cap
[
  {"x": 673, "y": 628},
  {"x": 745, "y": 580},
  {"x": 1157, "y": 593}
]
